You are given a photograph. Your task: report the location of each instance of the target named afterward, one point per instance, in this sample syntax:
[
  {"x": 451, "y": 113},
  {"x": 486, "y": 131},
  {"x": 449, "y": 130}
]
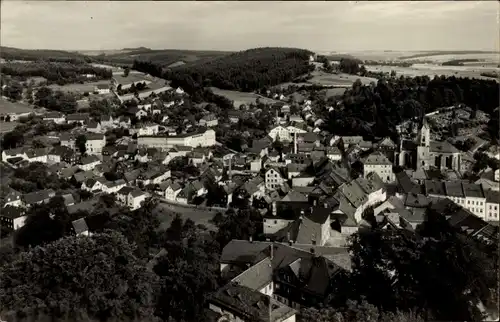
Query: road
[{"x": 166, "y": 213}]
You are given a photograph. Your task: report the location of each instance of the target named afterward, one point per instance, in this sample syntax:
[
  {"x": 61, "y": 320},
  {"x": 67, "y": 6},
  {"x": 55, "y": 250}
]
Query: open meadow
[
  {"x": 78, "y": 88},
  {"x": 327, "y": 79},
  {"x": 432, "y": 70},
  {"x": 7, "y": 107},
  {"x": 239, "y": 98}
]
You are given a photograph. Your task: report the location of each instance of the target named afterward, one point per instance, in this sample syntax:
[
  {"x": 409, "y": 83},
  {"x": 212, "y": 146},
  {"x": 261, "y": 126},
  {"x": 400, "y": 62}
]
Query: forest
[
  {"x": 375, "y": 110},
  {"x": 56, "y": 72},
  {"x": 246, "y": 71}
]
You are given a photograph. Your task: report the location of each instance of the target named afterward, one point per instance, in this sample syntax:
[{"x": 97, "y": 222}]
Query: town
[{"x": 217, "y": 197}]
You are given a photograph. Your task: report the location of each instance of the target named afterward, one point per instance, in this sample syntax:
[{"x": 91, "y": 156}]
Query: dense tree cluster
[
  {"x": 55, "y": 100},
  {"x": 376, "y": 109},
  {"x": 60, "y": 73},
  {"x": 458, "y": 62},
  {"x": 96, "y": 278},
  {"x": 436, "y": 272},
  {"x": 246, "y": 71}
]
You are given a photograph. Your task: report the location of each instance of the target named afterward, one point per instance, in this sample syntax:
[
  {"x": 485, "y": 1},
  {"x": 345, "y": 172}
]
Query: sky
[{"x": 230, "y": 25}]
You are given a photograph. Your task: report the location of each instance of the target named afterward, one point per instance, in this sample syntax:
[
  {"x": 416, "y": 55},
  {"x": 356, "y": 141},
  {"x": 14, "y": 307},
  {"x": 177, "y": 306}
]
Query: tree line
[
  {"x": 247, "y": 71},
  {"x": 55, "y": 72}
]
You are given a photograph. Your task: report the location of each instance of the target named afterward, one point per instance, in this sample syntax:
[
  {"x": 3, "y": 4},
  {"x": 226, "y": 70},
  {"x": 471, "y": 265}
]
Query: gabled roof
[{"x": 376, "y": 158}]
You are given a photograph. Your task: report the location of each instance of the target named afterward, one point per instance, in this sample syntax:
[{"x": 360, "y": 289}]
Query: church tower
[{"x": 423, "y": 147}]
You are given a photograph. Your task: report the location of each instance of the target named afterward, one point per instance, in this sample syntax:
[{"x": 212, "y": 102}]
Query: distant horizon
[
  {"x": 227, "y": 50},
  {"x": 345, "y": 26}
]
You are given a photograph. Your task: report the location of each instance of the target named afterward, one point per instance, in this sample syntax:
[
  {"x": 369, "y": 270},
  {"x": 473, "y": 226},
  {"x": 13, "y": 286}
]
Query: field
[
  {"x": 7, "y": 126},
  {"x": 7, "y": 107},
  {"x": 166, "y": 213},
  {"x": 334, "y": 91},
  {"x": 239, "y": 98},
  {"x": 432, "y": 70},
  {"x": 79, "y": 88},
  {"x": 322, "y": 78}
]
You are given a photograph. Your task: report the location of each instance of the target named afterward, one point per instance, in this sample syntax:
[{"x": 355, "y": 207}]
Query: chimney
[
  {"x": 290, "y": 243},
  {"x": 250, "y": 239},
  {"x": 295, "y": 142},
  {"x": 288, "y": 236},
  {"x": 272, "y": 251}
]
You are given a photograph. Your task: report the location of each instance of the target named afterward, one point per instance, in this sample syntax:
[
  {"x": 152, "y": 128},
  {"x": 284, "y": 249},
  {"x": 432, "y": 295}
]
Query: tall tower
[{"x": 423, "y": 148}]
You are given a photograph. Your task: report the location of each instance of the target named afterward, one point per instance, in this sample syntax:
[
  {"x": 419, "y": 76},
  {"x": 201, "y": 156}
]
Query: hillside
[
  {"x": 162, "y": 57},
  {"x": 247, "y": 70},
  {"x": 11, "y": 53}
]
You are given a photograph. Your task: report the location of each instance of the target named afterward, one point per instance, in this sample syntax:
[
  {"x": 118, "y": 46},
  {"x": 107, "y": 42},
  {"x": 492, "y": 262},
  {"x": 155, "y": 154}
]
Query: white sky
[{"x": 319, "y": 26}]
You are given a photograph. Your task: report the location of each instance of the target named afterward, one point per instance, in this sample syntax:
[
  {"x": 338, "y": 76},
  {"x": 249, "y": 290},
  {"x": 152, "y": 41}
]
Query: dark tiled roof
[{"x": 79, "y": 226}]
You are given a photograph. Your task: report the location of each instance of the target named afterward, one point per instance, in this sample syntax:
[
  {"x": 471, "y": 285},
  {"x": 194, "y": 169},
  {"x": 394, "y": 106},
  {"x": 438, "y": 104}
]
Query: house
[
  {"x": 202, "y": 138},
  {"x": 274, "y": 178},
  {"x": 102, "y": 89},
  {"x": 56, "y": 117},
  {"x": 172, "y": 190},
  {"x": 148, "y": 129},
  {"x": 208, "y": 120},
  {"x": 12, "y": 218},
  {"x": 124, "y": 122},
  {"x": 89, "y": 162},
  {"x": 131, "y": 197},
  {"x": 95, "y": 143},
  {"x": 79, "y": 227},
  {"x": 92, "y": 184},
  {"x": 81, "y": 118},
  {"x": 236, "y": 302},
  {"x": 492, "y": 205},
  {"x": 234, "y": 116},
  {"x": 179, "y": 91},
  {"x": 107, "y": 122},
  {"x": 378, "y": 163},
  {"x": 111, "y": 187},
  {"x": 155, "y": 176},
  {"x": 281, "y": 133},
  {"x": 13, "y": 199},
  {"x": 94, "y": 127},
  {"x": 333, "y": 153},
  {"x": 302, "y": 275},
  {"x": 14, "y": 153},
  {"x": 38, "y": 197},
  {"x": 63, "y": 154},
  {"x": 468, "y": 195},
  {"x": 294, "y": 169}
]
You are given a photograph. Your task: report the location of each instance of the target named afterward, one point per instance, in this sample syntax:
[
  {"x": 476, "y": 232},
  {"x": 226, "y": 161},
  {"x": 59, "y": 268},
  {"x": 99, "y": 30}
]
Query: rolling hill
[{"x": 11, "y": 53}]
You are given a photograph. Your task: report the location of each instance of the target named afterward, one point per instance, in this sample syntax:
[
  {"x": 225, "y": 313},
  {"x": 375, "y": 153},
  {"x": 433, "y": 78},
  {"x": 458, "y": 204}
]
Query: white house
[
  {"x": 179, "y": 91},
  {"x": 165, "y": 142},
  {"x": 492, "y": 205},
  {"x": 95, "y": 143},
  {"x": 280, "y": 133},
  {"x": 13, "y": 217},
  {"x": 274, "y": 178},
  {"x": 14, "y": 153},
  {"x": 93, "y": 185},
  {"x": 102, "y": 89},
  {"x": 209, "y": 120},
  {"x": 333, "y": 153},
  {"x": 107, "y": 122},
  {"x": 56, "y": 117},
  {"x": 113, "y": 186},
  {"x": 38, "y": 155},
  {"x": 89, "y": 162},
  {"x": 172, "y": 191},
  {"x": 378, "y": 163},
  {"x": 148, "y": 129}
]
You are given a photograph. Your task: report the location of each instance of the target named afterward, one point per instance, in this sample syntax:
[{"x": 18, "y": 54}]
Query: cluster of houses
[{"x": 313, "y": 189}]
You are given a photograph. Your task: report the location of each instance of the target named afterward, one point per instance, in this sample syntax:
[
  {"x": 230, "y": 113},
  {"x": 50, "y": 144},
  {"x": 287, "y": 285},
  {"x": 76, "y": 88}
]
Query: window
[
  {"x": 468, "y": 202},
  {"x": 275, "y": 222}
]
